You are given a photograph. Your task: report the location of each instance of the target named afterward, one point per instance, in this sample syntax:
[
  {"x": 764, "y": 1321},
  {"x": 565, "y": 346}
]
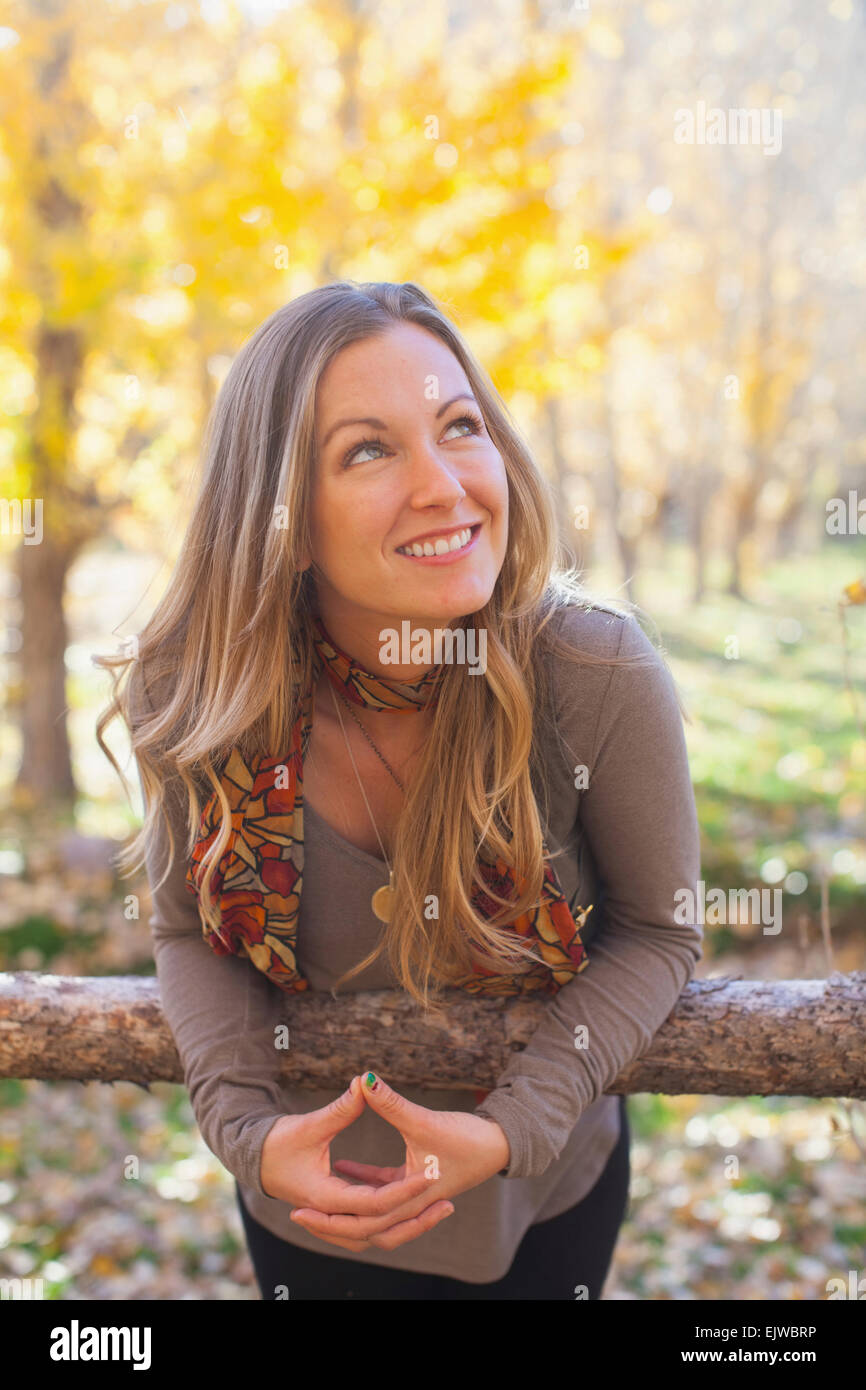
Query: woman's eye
[
  {"x": 472, "y": 423},
  {"x": 352, "y": 456}
]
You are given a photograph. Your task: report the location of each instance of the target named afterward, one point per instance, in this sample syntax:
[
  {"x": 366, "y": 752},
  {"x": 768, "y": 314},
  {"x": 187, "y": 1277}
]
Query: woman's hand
[
  {"x": 454, "y": 1149},
  {"x": 296, "y": 1168}
]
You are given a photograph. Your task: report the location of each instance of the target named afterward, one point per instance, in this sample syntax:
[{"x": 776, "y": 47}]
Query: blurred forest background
[{"x": 678, "y": 330}]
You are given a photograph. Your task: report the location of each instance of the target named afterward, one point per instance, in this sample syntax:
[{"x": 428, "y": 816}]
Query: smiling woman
[
  {"x": 431, "y": 474},
  {"x": 321, "y": 817}
]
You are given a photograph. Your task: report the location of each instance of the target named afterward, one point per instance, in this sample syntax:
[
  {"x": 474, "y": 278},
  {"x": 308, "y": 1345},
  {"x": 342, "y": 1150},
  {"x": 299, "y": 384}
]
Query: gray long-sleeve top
[{"x": 630, "y": 842}]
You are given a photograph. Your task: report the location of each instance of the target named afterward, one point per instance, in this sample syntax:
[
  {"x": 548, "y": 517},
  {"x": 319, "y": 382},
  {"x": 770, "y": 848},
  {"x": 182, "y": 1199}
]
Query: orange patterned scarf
[{"x": 257, "y": 883}]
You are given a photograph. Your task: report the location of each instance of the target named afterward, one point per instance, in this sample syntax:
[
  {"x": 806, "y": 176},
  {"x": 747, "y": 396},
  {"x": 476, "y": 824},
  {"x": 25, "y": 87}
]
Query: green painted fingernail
[{"x": 370, "y": 1080}]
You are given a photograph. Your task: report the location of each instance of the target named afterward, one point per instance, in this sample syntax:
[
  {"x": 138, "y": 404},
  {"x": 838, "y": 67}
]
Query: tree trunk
[
  {"x": 723, "y": 1037},
  {"x": 758, "y": 410},
  {"x": 697, "y": 538},
  {"x": 786, "y": 538},
  {"x": 552, "y": 412},
  {"x": 45, "y": 772}
]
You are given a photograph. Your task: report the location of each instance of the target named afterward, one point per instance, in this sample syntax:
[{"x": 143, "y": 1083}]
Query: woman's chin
[{"x": 446, "y": 594}]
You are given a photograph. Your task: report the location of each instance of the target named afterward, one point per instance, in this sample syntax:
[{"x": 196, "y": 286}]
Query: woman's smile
[{"x": 443, "y": 547}]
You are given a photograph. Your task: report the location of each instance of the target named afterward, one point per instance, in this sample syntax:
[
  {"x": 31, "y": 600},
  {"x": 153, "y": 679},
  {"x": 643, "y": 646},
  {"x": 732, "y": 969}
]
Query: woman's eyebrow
[{"x": 380, "y": 424}]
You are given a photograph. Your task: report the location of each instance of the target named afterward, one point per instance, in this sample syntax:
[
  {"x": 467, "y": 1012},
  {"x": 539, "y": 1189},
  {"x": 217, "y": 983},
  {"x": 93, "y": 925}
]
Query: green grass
[{"x": 776, "y": 757}]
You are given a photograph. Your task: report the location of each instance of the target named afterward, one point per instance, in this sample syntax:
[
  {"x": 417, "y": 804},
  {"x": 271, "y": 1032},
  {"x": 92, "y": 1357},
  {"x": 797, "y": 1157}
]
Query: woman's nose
[{"x": 432, "y": 476}]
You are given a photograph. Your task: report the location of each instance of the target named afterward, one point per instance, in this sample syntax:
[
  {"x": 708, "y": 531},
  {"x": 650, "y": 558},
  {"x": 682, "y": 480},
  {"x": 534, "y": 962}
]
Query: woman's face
[{"x": 433, "y": 473}]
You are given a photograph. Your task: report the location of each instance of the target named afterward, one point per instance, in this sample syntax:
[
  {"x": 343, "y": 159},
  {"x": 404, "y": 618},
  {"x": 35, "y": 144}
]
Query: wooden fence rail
[{"x": 727, "y": 1037}]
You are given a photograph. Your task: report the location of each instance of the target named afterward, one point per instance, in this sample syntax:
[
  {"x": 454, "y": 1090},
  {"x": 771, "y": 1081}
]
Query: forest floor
[
  {"x": 109, "y": 1192},
  {"x": 753, "y": 1199}
]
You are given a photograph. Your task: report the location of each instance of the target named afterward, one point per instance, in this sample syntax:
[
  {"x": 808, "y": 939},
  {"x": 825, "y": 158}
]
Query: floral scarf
[{"x": 257, "y": 883}]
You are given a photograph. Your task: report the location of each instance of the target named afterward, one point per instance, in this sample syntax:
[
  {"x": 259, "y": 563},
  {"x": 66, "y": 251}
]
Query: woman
[{"x": 403, "y": 750}]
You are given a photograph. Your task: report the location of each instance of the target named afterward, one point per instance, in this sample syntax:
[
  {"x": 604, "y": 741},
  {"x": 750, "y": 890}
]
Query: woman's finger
[
  {"x": 350, "y": 1227},
  {"x": 358, "y": 1182},
  {"x": 410, "y": 1230},
  {"x": 369, "y": 1172},
  {"x": 331, "y": 1238},
  {"x": 338, "y": 1195}
]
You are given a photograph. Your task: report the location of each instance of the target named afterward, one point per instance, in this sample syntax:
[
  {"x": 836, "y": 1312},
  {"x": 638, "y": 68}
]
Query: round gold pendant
[{"x": 383, "y": 899}]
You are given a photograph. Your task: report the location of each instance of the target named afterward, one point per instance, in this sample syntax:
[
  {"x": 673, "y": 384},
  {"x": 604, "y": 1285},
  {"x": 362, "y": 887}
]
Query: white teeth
[{"x": 441, "y": 546}]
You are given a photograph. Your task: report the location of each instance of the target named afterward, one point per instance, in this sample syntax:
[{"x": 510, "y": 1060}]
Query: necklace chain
[
  {"x": 379, "y": 755},
  {"x": 363, "y": 793},
  {"x": 382, "y": 901}
]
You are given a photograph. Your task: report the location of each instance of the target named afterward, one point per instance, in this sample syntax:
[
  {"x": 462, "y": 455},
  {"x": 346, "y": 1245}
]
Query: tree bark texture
[{"x": 726, "y": 1037}]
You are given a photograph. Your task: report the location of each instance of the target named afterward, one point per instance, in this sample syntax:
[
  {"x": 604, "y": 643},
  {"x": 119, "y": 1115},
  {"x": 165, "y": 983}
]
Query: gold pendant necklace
[{"x": 382, "y": 901}]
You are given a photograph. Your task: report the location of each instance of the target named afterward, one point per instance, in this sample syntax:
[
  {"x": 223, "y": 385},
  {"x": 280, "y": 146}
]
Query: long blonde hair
[{"x": 228, "y": 651}]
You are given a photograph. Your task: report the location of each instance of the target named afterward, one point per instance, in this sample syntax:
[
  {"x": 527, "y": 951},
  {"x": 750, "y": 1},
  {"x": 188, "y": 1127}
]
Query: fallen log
[{"x": 727, "y": 1037}]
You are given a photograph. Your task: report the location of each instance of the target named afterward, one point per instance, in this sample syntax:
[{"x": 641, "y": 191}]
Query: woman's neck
[{"x": 395, "y": 649}]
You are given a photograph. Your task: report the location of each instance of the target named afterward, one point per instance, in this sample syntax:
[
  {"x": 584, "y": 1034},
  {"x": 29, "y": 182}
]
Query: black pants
[{"x": 553, "y": 1260}]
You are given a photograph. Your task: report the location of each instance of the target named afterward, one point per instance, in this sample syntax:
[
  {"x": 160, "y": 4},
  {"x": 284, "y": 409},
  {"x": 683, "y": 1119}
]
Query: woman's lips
[{"x": 449, "y": 557}]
